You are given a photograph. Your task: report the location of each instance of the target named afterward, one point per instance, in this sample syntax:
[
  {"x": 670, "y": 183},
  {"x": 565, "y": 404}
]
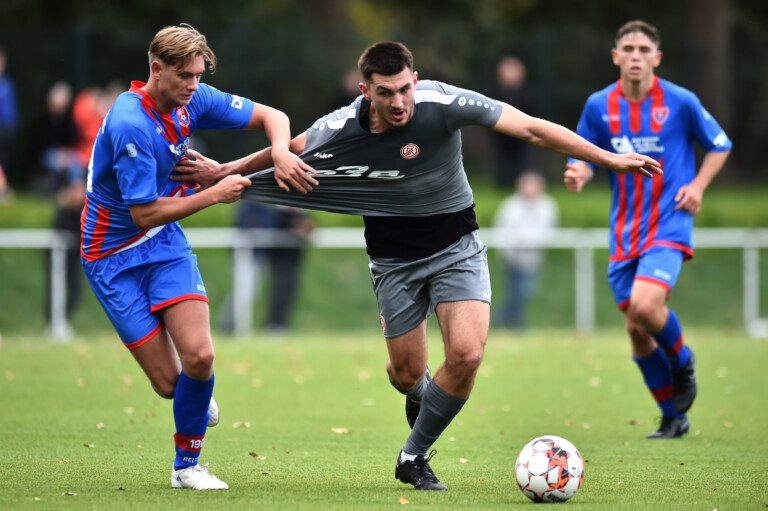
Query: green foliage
[{"x": 82, "y": 429}]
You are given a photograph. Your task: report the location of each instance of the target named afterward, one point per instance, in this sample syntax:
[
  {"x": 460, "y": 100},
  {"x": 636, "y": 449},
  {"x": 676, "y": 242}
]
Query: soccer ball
[{"x": 549, "y": 469}]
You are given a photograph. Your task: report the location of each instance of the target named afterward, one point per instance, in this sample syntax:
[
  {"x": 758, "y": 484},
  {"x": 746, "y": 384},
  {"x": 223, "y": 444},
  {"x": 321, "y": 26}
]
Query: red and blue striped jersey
[
  {"x": 664, "y": 126},
  {"x": 134, "y": 155}
]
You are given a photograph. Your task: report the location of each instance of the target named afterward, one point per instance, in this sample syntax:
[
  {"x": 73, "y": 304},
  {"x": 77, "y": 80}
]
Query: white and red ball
[{"x": 549, "y": 469}]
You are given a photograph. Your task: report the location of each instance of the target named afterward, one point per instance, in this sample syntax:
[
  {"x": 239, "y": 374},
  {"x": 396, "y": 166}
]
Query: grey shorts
[{"x": 408, "y": 290}]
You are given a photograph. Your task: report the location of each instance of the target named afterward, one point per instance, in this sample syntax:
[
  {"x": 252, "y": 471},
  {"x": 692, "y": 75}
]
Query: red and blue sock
[
  {"x": 670, "y": 339},
  {"x": 657, "y": 373},
  {"x": 190, "y": 412}
]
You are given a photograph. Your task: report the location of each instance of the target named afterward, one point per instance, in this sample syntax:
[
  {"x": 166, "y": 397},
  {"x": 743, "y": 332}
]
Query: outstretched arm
[
  {"x": 549, "y": 135},
  {"x": 689, "y": 197},
  {"x": 169, "y": 209},
  {"x": 207, "y": 171},
  {"x": 290, "y": 171}
]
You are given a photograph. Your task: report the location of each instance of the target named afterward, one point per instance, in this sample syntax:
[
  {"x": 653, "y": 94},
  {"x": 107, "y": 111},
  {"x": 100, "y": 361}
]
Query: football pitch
[{"x": 310, "y": 422}]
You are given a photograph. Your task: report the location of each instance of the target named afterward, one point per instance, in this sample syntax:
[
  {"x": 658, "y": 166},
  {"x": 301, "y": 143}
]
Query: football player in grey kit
[{"x": 394, "y": 156}]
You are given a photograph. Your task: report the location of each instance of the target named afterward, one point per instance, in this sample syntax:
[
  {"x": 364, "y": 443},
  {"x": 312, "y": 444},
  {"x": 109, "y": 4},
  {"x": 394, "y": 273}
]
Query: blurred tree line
[{"x": 291, "y": 54}]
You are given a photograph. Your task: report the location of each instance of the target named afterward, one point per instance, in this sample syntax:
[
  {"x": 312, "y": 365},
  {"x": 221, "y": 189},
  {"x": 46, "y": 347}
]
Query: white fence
[{"x": 583, "y": 241}]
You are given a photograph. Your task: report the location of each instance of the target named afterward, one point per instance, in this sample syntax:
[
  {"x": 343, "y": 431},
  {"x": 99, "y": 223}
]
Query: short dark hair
[
  {"x": 385, "y": 58},
  {"x": 639, "y": 26}
]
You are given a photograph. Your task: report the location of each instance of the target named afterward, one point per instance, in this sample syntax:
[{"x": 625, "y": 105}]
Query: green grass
[{"x": 80, "y": 418}]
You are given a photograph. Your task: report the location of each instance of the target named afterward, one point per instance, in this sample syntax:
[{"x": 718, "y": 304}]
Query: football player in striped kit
[{"x": 651, "y": 221}]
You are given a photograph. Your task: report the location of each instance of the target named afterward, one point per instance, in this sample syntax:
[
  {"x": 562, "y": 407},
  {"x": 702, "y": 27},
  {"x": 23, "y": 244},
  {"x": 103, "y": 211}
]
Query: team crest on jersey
[
  {"x": 660, "y": 114},
  {"x": 183, "y": 115},
  {"x": 409, "y": 151}
]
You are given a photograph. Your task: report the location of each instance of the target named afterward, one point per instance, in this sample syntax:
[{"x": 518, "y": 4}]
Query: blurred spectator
[
  {"x": 349, "y": 88},
  {"x": 512, "y": 154},
  {"x": 527, "y": 217},
  {"x": 283, "y": 263},
  {"x": 6, "y": 192},
  {"x": 88, "y": 111},
  {"x": 55, "y": 135},
  {"x": 9, "y": 120}
]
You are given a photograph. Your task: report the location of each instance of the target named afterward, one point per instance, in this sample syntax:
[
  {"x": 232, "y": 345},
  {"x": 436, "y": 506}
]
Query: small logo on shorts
[
  {"x": 662, "y": 274},
  {"x": 409, "y": 151},
  {"x": 383, "y": 324},
  {"x": 201, "y": 288},
  {"x": 132, "y": 152}
]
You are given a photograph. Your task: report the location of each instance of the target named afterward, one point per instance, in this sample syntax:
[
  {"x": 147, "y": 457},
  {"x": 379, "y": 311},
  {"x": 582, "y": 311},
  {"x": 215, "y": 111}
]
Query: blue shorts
[
  {"x": 660, "y": 265},
  {"x": 134, "y": 284}
]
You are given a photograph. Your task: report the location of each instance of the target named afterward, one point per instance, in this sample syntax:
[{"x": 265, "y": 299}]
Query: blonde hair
[{"x": 177, "y": 45}]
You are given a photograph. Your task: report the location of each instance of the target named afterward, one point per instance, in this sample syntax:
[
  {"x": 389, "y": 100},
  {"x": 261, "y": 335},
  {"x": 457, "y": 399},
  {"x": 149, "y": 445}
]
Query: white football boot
[
  {"x": 197, "y": 477},
  {"x": 213, "y": 413}
]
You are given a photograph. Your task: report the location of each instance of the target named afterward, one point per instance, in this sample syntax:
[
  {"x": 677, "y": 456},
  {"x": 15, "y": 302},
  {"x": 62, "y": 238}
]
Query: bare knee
[
  {"x": 405, "y": 377},
  {"x": 642, "y": 342},
  {"x": 646, "y": 313},
  {"x": 198, "y": 364},
  {"x": 466, "y": 360}
]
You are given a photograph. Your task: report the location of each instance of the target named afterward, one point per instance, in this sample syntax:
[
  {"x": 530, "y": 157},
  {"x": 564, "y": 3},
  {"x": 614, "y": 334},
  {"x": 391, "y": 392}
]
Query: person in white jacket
[{"x": 527, "y": 218}]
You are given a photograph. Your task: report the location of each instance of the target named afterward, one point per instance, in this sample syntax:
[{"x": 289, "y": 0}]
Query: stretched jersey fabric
[
  {"x": 415, "y": 170},
  {"x": 133, "y": 156},
  {"x": 664, "y": 126}
]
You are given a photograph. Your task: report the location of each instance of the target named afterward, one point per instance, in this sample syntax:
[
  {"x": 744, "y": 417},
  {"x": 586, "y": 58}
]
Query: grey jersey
[{"x": 415, "y": 170}]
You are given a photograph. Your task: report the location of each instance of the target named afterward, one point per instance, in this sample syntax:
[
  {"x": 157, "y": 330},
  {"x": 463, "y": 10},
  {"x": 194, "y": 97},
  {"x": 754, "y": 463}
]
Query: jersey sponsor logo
[
  {"x": 409, "y": 151},
  {"x": 183, "y": 116},
  {"x": 358, "y": 171},
  {"x": 611, "y": 118},
  {"x": 323, "y": 156},
  {"x": 644, "y": 145},
  {"x": 132, "y": 152},
  {"x": 237, "y": 102}
]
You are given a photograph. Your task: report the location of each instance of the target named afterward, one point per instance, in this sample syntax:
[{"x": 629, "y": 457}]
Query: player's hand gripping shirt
[
  {"x": 663, "y": 126},
  {"x": 415, "y": 170},
  {"x": 134, "y": 155}
]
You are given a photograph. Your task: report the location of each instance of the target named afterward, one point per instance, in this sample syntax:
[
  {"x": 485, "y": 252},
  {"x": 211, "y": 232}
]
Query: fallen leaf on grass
[
  {"x": 100, "y": 425},
  {"x": 727, "y": 424},
  {"x": 463, "y": 461},
  {"x": 90, "y": 446},
  {"x": 340, "y": 431},
  {"x": 404, "y": 501},
  {"x": 257, "y": 456},
  {"x": 241, "y": 424},
  {"x": 69, "y": 494}
]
